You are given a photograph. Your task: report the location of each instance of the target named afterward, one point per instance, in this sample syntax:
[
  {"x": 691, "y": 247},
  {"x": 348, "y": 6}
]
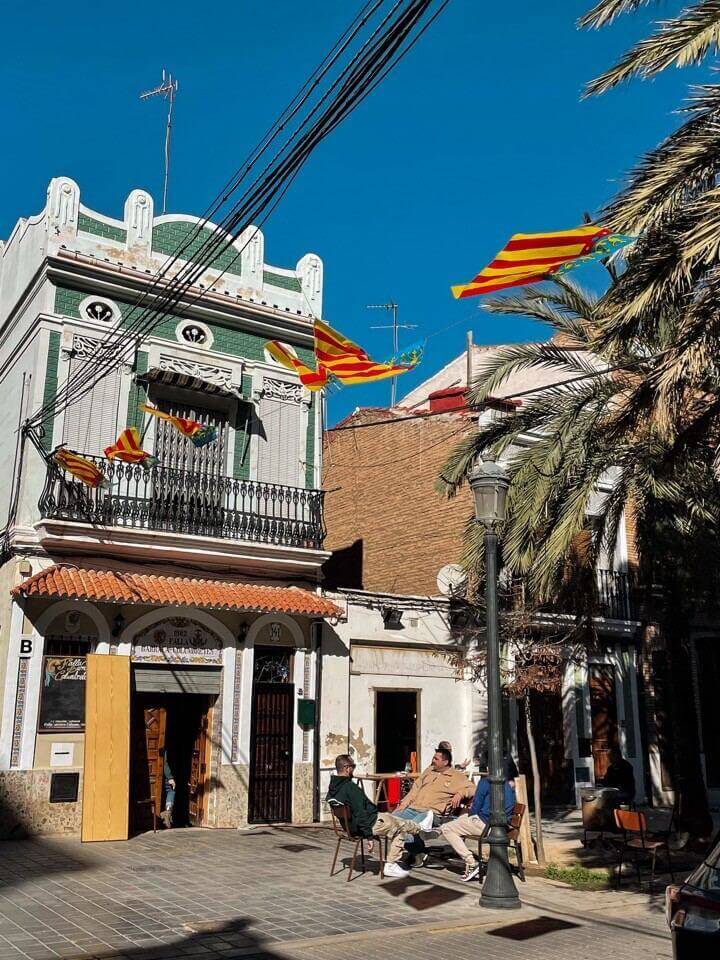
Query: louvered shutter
[
  {"x": 93, "y": 422},
  {"x": 280, "y": 442}
]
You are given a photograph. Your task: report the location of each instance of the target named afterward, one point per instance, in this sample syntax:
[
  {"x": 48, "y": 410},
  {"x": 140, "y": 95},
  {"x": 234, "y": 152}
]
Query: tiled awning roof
[
  {"x": 175, "y": 378},
  {"x": 110, "y": 586}
]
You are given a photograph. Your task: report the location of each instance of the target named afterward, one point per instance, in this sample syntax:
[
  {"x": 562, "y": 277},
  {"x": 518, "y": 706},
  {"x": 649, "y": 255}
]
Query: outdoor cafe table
[{"x": 380, "y": 782}]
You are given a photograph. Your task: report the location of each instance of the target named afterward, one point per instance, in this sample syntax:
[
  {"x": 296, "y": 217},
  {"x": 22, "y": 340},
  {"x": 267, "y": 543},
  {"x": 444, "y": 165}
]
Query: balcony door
[
  {"x": 178, "y": 452},
  {"x": 189, "y": 495}
]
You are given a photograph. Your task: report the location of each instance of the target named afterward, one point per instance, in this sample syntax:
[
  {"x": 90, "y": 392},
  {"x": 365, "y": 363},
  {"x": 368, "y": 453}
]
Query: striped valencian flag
[
  {"x": 198, "y": 433},
  {"x": 128, "y": 448},
  {"x": 312, "y": 379},
  {"x": 80, "y": 467},
  {"x": 348, "y": 362},
  {"x": 528, "y": 257}
]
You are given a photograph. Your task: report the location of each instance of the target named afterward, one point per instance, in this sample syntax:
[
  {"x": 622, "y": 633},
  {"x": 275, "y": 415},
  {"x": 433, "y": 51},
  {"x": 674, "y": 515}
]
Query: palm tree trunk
[{"x": 537, "y": 786}]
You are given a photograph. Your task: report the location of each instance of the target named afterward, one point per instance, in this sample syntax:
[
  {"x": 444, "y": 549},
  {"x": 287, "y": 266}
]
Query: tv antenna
[
  {"x": 167, "y": 89},
  {"x": 394, "y": 326}
]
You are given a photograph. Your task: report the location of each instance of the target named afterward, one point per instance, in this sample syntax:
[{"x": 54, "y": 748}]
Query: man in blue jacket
[{"x": 474, "y": 823}]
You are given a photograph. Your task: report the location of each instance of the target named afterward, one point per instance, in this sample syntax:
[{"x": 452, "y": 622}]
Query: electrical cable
[
  {"x": 365, "y": 71},
  {"x": 470, "y": 408}
]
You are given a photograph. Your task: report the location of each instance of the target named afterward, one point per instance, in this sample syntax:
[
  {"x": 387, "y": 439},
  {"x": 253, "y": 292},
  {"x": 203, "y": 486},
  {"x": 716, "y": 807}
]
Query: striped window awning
[{"x": 187, "y": 381}]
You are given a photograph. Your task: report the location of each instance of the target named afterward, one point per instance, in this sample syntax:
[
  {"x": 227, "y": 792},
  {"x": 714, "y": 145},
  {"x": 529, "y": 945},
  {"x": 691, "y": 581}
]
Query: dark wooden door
[
  {"x": 603, "y": 708},
  {"x": 198, "y": 773},
  {"x": 271, "y": 753},
  {"x": 148, "y": 752}
]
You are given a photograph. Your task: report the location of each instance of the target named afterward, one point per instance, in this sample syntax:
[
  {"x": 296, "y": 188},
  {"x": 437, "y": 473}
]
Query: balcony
[
  {"x": 181, "y": 503},
  {"x": 612, "y": 596}
]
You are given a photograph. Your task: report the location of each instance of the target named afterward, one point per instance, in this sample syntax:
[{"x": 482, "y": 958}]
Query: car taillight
[{"x": 672, "y": 902}]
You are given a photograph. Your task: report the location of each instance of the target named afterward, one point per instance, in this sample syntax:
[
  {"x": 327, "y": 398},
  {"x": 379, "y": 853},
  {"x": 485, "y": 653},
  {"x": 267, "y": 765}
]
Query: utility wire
[
  {"x": 470, "y": 408},
  {"x": 357, "y": 79}
]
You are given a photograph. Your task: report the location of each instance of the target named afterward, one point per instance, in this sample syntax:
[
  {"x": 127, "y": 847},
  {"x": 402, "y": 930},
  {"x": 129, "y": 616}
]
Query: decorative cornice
[{"x": 116, "y": 281}]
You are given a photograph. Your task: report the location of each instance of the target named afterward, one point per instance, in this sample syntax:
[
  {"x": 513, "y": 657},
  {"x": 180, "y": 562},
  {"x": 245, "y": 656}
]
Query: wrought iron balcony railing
[
  {"x": 179, "y": 501},
  {"x": 611, "y": 595}
]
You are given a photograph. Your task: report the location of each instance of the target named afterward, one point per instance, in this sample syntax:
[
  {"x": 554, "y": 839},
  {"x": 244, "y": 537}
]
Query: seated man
[
  {"x": 364, "y": 819},
  {"x": 473, "y": 824},
  {"x": 620, "y": 775},
  {"x": 438, "y": 789}
]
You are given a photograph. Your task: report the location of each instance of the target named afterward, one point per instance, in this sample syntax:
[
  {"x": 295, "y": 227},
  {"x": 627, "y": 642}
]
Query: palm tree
[
  {"x": 604, "y": 417},
  {"x": 604, "y": 420}
]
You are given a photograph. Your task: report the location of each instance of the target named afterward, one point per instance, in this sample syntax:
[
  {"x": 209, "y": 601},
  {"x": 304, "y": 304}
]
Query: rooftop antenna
[
  {"x": 167, "y": 89},
  {"x": 394, "y": 326}
]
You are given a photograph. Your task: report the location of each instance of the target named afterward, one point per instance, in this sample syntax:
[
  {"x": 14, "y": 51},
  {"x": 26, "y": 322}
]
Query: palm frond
[
  {"x": 685, "y": 164},
  {"x": 684, "y": 40},
  {"x": 606, "y": 11}
]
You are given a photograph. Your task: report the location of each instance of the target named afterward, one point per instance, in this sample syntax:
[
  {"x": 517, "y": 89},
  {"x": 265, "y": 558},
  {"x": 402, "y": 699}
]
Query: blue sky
[{"x": 479, "y": 133}]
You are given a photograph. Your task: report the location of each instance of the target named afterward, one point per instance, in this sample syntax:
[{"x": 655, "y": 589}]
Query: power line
[
  {"x": 388, "y": 43},
  {"x": 470, "y": 408}
]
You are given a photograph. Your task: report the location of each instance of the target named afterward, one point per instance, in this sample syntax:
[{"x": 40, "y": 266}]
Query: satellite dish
[{"x": 451, "y": 580}]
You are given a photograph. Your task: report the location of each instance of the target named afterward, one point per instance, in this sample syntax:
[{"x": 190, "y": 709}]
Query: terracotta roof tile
[{"x": 82, "y": 583}]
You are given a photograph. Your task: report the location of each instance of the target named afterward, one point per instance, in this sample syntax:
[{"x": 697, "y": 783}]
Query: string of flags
[
  {"x": 525, "y": 258},
  {"x": 339, "y": 358},
  {"x": 128, "y": 449},
  {"x": 528, "y": 257}
]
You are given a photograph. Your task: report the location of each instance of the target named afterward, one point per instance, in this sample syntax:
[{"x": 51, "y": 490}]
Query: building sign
[
  {"x": 62, "y": 705},
  {"x": 177, "y": 640}
]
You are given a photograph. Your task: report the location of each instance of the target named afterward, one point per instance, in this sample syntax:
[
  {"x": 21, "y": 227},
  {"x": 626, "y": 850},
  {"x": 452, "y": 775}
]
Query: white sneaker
[
  {"x": 395, "y": 870},
  {"x": 427, "y": 822}
]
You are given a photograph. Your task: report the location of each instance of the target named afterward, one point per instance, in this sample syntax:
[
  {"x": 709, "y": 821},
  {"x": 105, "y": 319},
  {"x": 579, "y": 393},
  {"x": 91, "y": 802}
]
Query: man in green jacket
[{"x": 364, "y": 819}]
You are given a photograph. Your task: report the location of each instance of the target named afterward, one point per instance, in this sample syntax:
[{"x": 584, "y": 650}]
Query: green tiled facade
[
  {"x": 279, "y": 280},
  {"x": 243, "y": 433},
  {"x": 167, "y": 237},
  {"x": 310, "y": 447},
  {"x": 50, "y": 389},
  {"x": 89, "y": 225},
  {"x": 138, "y": 394},
  {"x": 236, "y": 343}
]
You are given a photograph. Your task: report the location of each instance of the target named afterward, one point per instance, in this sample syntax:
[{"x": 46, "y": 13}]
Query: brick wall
[{"x": 392, "y": 530}]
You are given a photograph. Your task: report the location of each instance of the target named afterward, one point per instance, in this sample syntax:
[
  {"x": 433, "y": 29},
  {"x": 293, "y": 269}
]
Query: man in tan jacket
[{"x": 440, "y": 788}]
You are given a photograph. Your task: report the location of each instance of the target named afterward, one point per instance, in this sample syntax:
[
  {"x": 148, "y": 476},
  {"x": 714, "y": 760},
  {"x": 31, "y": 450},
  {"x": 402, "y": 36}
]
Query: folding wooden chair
[
  {"x": 341, "y": 825},
  {"x": 636, "y": 839}
]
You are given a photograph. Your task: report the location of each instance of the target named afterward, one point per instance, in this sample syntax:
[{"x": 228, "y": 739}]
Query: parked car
[{"x": 693, "y": 910}]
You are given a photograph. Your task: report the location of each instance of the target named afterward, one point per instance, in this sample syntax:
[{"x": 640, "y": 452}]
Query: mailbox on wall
[{"x": 306, "y": 712}]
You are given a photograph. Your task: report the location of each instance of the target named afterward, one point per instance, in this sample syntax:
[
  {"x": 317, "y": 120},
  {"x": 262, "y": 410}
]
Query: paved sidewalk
[{"x": 266, "y": 893}]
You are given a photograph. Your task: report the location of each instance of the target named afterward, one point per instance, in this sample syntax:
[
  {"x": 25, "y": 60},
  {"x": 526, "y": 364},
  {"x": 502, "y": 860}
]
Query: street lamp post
[{"x": 489, "y": 484}]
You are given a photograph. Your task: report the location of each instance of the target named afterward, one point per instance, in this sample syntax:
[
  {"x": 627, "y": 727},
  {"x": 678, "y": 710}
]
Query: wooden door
[
  {"x": 155, "y": 727},
  {"x": 603, "y": 708},
  {"x": 106, "y": 775},
  {"x": 198, "y": 773},
  {"x": 271, "y": 753}
]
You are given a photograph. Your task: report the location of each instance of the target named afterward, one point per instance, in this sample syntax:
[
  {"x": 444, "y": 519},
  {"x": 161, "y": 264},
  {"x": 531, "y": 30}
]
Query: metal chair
[
  {"x": 341, "y": 825},
  {"x": 635, "y": 837},
  {"x": 513, "y": 829}
]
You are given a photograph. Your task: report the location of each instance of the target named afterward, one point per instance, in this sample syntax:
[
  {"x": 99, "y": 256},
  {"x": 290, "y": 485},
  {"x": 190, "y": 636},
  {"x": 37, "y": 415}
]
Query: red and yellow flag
[
  {"x": 348, "y": 362},
  {"x": 312, "y": 379},
  {"x": 128, "y": 448},
  {"x": 199, "y": 433},
  {"x": 335, "y": 356},
  {"x": 528, "y": 257},
  {"x": 80, "y": 467}
]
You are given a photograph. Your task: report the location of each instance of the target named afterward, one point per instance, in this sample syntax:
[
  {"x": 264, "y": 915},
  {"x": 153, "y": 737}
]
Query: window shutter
[
  {"x": 280, "y": 442},
  {"x": 91, "y": 423}
]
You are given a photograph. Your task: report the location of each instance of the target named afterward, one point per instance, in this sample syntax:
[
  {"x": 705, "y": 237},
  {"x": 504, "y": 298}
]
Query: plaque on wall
[{"x": 177, "y": 640}]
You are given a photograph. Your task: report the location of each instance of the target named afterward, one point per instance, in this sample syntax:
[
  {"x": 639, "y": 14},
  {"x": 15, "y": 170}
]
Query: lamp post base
[{"x": 499, "y": 903}]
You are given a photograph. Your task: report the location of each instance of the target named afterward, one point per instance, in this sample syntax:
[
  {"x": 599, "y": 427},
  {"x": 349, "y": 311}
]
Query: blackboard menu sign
[{"x": 62, "y": 705}]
